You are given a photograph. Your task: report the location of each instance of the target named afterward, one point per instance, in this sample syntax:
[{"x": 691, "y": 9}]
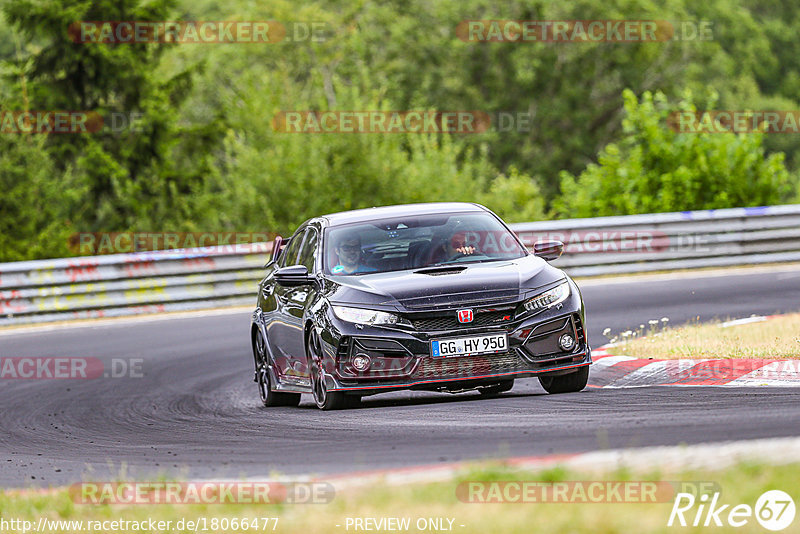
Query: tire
[
  {"x": 497, "y": 389},
  {"x": 324, "y": 399},
  {"x": 566, "y": 383},
  {"x": 268, "y": 397}
]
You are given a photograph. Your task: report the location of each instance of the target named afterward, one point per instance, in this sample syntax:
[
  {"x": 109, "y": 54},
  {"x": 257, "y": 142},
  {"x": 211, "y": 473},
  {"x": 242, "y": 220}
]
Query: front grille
[
  {"x": 465, "y": 366},
  {"x": 491, "y": 297},
  {"x": 449, "y": 321}
]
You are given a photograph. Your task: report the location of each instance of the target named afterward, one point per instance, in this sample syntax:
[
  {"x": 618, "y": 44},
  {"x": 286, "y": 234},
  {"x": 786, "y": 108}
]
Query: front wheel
[
  {"x": 324, "y": 399},
  {"x": 269, "y": 398},
  {"x": 566, "y": 383}
]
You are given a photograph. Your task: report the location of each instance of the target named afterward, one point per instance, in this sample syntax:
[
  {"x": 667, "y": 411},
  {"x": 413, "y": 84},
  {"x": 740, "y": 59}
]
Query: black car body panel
[{"x": 425, "y": 301}]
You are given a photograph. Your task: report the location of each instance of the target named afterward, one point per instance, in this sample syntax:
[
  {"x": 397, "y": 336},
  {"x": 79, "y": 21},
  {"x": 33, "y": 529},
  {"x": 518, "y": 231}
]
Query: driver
[
  {"x": 350, "y": 257},
  {"x": 452, "y": 248},
  {"x": 457, "y": 246}
]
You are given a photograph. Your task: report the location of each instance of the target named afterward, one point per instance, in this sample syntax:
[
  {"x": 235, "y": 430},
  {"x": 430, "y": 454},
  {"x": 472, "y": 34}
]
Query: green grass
[
  {"x": 742, "y": 483},
  {"x": 776, "y": 338}
]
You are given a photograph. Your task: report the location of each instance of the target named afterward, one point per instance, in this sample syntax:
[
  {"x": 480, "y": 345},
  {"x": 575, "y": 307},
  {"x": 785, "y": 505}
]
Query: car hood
[{"x": 489, "y": 283}]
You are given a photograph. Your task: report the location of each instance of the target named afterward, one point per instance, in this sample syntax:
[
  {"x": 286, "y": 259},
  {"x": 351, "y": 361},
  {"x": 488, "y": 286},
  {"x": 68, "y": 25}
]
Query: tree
[
  {"x": 654, "y": 169},
  {"x": 35, "y": 201},
  {"x": 139, "y": 175}
]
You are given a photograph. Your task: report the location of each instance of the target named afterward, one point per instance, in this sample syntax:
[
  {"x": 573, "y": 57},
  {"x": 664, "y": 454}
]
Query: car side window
[
  {"x": 308, "y": 252},
  {"x": 289, "y": 256}
]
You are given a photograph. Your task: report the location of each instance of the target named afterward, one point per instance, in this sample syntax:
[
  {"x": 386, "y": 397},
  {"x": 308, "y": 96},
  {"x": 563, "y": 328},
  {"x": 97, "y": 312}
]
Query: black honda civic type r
[{"x": 438, "y": 297}]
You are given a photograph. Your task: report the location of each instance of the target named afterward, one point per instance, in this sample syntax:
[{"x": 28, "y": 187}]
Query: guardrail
[
  {"x": 666, "y": 241},
  {"x": 146, "y": 282},
  {"x": 129, "y": 284}
]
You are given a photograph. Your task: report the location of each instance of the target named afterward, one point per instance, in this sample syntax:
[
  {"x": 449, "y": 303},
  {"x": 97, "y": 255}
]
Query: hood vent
[{"x": 439, "y": 271}]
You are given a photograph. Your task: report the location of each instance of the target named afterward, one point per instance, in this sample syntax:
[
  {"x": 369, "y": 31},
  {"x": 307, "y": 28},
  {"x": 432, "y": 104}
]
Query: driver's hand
[{"x": 466, "y": 250}]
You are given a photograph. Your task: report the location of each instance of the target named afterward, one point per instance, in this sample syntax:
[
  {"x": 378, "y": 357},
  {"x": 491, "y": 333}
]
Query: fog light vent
[{"x": 566, "y": 342}]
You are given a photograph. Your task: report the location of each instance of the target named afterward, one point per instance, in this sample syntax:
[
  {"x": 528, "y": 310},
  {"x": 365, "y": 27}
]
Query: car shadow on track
[{"x": 420, "y": 399}]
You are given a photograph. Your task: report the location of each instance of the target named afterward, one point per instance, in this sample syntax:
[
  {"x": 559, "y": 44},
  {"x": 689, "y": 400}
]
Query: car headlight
[
  {"x": 549, "y": 298},
  {"x": 362, "y": 316}
]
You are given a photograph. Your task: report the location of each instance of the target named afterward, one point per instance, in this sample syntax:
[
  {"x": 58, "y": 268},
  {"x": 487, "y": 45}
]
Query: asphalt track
[{"x": 195, "y": 413}]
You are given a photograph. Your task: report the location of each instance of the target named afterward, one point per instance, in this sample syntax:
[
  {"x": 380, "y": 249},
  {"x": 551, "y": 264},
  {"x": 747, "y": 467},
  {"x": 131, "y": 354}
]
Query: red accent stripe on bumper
[{"x": 458, "y": 379}]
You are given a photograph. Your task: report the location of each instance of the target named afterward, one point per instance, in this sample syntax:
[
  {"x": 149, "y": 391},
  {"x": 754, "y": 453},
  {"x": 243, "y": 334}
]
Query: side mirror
[
  {"x": 548, "y": 250},
  {"x": 292, "y": 276}
]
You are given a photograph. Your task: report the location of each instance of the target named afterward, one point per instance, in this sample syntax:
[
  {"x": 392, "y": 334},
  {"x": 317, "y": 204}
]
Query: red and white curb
[{"x": 609, "y": 371}]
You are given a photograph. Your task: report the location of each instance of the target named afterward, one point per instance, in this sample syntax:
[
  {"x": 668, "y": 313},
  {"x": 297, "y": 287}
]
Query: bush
[
  {"x": 654, "y": 169},
  {"x": 270, "y": 180},
  {"x": 35, "y": 201}
]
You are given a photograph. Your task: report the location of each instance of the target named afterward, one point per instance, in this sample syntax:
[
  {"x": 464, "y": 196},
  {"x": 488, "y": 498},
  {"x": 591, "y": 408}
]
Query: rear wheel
[
  {"x": 268, "y": 397},
  {"x": 496, "y": 389},
  {"x": 324, "y": 399},
  {"x": 566, "y": 383}
]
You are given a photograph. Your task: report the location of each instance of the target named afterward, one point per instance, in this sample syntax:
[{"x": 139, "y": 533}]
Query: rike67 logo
[{"x": 774, "y": 510}]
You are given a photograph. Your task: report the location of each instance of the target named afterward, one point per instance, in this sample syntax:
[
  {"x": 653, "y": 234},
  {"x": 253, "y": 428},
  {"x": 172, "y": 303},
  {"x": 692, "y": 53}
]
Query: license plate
[{"x": 463, "y": 346}]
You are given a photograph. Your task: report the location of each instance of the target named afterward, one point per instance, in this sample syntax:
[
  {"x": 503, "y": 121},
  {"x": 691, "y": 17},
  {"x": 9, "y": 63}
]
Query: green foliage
[
  {"x": 33, "y": 204},
  {"x": 273, "y": 180},
  {"x": 572, "y": 90},
  {"x": 516, "y": 196},
  {"x": 137, "y": 176},
  {"x": 654, "y": 169},
  {"x": 203, "y": 155}
]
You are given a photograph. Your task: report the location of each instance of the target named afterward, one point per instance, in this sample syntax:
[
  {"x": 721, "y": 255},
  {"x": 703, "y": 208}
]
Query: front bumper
[
  {"x": 470, "y": 380},
  {"x": 401, "y": 359}
]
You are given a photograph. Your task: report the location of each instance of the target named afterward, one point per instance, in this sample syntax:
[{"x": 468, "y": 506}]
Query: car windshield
[{"x": 417, "y": 241}]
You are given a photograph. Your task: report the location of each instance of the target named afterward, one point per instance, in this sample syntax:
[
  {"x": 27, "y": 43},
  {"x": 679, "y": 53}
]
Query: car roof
[{"x": 402, "y": 210}]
